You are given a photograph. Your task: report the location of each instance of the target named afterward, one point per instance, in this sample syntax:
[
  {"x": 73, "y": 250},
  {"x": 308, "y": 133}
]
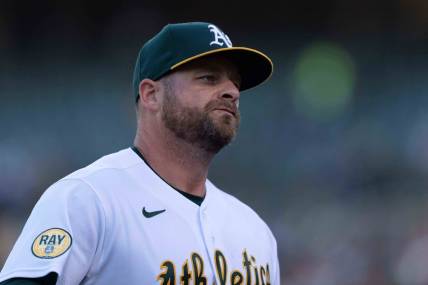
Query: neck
[{"x": 181, "y": 164}]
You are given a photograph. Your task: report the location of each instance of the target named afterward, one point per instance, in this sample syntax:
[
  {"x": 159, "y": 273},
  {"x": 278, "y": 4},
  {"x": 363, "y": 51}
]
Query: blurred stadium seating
[{"x": 332, "y": 152}]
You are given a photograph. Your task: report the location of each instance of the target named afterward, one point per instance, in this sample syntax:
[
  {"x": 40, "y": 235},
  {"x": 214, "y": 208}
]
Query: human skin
[{"x": 204, "y": 89}]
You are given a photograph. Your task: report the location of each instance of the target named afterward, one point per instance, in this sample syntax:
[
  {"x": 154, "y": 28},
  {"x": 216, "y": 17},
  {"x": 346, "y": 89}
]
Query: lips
[
  {"x": 233, "y": 112},
  {"x": 225, "y": 106}
]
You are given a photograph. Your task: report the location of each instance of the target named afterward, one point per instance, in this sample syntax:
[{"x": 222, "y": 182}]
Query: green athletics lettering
[
  {"x": 192, "y": 271},
  {"x": 167, "y": 276},
  {"x": 221, "y": 267},
  {"x": 198, "y": 269},
  {"x": 186, "y": 274}
]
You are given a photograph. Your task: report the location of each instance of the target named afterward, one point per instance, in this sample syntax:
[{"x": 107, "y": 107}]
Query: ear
[{"x": 149, "y": 94}]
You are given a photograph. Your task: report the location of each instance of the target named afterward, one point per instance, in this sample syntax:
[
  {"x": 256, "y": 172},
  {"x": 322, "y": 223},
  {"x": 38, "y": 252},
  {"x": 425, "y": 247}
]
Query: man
[{"x": 148, "y": 214}]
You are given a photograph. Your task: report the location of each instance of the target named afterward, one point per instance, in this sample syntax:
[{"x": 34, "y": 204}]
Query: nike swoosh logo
[{"x": 151, "y": 214}]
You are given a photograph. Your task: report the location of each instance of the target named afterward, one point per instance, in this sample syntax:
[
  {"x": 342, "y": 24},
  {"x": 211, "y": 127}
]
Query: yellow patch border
[{"x": 51, "y": 257}]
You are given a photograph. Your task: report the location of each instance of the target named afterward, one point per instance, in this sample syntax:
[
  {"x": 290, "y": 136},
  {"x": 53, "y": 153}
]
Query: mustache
[{"x": 220, "y": 104}]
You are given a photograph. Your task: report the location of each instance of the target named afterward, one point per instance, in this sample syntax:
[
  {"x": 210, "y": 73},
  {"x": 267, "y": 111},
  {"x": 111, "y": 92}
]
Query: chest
[{"x": 157, "y": 243}]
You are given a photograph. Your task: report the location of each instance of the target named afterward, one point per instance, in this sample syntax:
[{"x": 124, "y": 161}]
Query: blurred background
[{"x": 332, "y": 151}]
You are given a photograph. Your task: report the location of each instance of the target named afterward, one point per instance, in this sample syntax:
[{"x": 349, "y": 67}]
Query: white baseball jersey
[{"x": 117, "y": 222}]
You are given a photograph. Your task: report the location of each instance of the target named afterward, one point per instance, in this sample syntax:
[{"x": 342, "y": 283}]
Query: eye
[
  {"x": 210, "y": 78},
  {"x": 237, "y": 83}
]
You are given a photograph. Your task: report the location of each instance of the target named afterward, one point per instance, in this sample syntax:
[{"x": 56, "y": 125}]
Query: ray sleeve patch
[{"x": 51, "y": 243}]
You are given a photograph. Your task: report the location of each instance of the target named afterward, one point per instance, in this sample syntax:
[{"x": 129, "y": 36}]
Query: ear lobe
[{"x": 148, "y": 90}]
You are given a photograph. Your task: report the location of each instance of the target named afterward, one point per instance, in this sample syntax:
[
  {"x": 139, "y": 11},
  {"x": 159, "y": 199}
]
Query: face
[{"x": 201, "y": 103}]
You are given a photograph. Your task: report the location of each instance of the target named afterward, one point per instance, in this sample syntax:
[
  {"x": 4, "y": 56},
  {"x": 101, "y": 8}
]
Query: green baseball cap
[{"x": 178, "y": 44}]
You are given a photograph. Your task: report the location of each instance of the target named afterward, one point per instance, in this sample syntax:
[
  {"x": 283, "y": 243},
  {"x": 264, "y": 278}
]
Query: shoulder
[
  {"x": 239, "y": 210},
  {"x": 104, "y": 173},
  {"x": 234, "y": 204},
  {"x": 84, "y": 184},
  {"x": 118, "y": 161}
]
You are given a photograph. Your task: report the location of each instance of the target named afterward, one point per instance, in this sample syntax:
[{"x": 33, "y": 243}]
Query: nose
[{"x": 231, "y": 92}]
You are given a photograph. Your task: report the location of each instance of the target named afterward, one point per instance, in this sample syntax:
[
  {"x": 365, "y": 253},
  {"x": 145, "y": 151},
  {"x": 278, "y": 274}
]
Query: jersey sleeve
[
  {"x": 276, "y": 274},
  {"x": 49, "y": 279},
  {"x": 63, "y": 234},
  {"x": 276, "y": 271}
]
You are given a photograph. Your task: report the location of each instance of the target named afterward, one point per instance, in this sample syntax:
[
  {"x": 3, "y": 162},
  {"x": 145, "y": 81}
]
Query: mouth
[{"x": 227, "y": 110}]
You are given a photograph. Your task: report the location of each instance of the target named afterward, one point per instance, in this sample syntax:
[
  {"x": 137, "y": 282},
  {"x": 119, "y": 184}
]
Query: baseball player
[{"x": 148, "y": 214}]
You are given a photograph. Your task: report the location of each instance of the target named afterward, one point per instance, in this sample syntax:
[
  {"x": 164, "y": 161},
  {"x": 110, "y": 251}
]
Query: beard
[{"x": 197, "y": 127}]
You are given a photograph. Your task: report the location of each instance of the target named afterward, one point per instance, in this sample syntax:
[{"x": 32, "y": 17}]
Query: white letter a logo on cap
[{"x": 220, "y": 38}]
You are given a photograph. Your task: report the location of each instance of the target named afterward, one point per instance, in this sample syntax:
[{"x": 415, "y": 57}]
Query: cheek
[
  {"x": 193, "y": 96},
  {"x": 197, "y": 101}
]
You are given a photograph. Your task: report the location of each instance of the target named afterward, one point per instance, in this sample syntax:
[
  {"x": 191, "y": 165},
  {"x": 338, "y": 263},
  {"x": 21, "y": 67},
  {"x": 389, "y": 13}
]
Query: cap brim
[{"x": 254, "y": 66}]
